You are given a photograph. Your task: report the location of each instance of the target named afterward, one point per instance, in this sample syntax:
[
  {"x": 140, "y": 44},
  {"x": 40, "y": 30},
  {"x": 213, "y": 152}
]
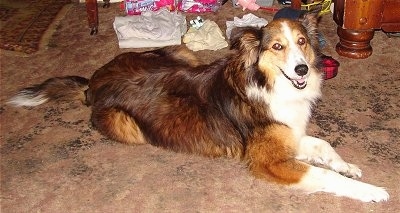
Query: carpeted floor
[
  {"x": 52, "y": 160},
  {"x": 24, "y": 24}
]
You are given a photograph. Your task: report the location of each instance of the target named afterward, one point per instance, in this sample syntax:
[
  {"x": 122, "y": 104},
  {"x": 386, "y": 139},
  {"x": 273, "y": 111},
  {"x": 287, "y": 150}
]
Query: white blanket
[{"x": 150, "y": 29}]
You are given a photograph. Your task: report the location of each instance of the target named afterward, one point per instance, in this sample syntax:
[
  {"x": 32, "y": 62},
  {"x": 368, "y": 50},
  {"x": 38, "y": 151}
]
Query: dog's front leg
[
  {"x": 324, "y": 180},
  {"x": 315, "y": 150},
  {"x": 271, "y": 155}
]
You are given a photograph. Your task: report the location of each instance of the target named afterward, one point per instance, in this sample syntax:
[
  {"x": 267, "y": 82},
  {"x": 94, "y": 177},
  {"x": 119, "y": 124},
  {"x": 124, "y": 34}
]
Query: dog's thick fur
[{"x": 253, "y": 105}]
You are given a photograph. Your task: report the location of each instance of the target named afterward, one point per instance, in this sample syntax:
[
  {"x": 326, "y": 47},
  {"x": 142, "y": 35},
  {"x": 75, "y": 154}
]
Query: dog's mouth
[{"x": 297, "y": 83}]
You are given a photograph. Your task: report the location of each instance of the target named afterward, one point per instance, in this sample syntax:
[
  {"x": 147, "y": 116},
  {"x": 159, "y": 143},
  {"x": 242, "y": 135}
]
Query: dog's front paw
[
  {"x": 369, "y": 193},
  {"x": 347, "y": 169},
  {"x": 324, "y": 180}
]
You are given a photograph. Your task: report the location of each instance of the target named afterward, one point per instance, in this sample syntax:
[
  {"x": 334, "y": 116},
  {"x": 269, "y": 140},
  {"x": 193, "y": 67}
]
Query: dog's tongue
[{"x": 300, "y": 81}]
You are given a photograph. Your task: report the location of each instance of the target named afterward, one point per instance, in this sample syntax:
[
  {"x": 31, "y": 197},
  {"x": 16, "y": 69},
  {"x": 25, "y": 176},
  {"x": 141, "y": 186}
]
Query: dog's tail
[{"x": 67, "y": 88}]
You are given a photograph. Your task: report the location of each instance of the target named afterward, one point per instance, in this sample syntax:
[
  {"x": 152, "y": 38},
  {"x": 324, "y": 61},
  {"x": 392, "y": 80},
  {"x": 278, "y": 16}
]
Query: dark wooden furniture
[
  {"x": 93, "y": 14},
  {"x": 357, "y": 21}
]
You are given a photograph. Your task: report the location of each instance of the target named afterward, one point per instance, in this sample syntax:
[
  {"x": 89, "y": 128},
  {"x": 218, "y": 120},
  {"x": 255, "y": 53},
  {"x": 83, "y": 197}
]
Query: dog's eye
[
  {"x": 277, "y": 46},
  {"x": 301, "y": 41}
]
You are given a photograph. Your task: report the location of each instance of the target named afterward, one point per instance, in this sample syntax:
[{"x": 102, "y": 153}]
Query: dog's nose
[{"x": 301, "y": 69}]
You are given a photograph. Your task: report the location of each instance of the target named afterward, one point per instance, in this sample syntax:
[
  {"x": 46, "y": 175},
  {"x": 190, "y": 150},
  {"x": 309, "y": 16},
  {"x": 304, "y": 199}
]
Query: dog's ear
[
  {"x": 247, "y": 41},
  {"x": 310, "y": 21}
]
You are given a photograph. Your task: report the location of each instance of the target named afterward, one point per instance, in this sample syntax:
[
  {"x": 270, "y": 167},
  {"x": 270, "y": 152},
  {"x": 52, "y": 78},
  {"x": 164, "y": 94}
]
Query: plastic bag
[
  {"x": 135, "y": 7},
  {"x": 199, "y": 6}
]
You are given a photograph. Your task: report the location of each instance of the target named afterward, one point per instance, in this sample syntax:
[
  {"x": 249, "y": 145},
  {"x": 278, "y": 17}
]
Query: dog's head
[{"x": 283, "y": 52}]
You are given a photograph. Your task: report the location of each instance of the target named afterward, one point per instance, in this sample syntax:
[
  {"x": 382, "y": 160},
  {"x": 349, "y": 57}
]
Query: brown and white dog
[{"x": 253, "y": 105}]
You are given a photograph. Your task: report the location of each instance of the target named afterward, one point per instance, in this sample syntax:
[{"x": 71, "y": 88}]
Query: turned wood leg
[
  {"x": 354, "y": 43},
  {"x": 92, "y": 14}
]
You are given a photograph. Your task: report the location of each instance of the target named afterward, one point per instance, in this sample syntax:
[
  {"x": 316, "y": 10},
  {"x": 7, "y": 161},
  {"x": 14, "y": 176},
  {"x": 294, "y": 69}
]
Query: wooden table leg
[
  {"x": 93, "y": 16},
  {"x": 354, "y": 43}
]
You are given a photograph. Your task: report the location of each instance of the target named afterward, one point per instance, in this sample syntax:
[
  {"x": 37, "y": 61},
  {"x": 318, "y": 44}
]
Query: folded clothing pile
[
  {"x": 150, "y": 29},
  {"x": 208, "y": 37}
]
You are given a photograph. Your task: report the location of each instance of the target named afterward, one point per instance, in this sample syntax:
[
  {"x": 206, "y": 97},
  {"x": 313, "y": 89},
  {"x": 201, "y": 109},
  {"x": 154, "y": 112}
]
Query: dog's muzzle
[{"x": 301, "y": 70}]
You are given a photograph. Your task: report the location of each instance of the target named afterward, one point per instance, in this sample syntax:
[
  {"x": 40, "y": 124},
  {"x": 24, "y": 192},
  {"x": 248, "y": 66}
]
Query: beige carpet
[
  {"x": 26, "y": 25},
  {"x": 52, "y": 160}
]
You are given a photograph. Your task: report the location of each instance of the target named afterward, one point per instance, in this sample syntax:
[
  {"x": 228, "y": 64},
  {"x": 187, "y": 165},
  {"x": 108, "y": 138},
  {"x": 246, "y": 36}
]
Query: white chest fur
[{"x": 287, "y": 104}]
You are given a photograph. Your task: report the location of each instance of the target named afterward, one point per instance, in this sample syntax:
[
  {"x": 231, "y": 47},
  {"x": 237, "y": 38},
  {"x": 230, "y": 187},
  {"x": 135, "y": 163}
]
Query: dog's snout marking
[{"x": 301, "y": 69}]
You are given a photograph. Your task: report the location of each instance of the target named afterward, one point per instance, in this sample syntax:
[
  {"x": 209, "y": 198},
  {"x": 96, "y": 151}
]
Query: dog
[{"x": 253, "y": 106}]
